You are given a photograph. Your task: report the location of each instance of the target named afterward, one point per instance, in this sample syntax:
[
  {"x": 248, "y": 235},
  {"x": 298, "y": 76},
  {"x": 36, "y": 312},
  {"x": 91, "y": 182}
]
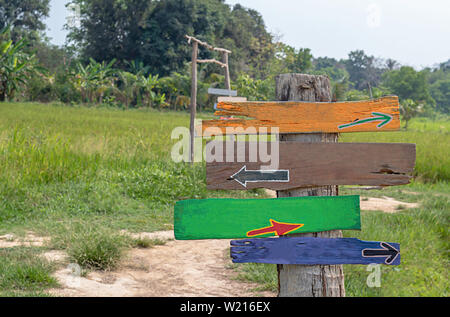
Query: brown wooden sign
[
  {"x": 308, "y": 117},
  {"x": 309, "y": 164}
]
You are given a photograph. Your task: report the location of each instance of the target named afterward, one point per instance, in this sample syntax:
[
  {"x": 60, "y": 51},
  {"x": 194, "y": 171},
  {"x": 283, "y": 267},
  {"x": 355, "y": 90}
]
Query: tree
[
  {"x": 407, "y": 83},
  {"x": 25, "y": 17},
  {"x": 293, "y": 60},
  {"x": 391, "y": 64},
  {"x": 440, "y": 91},
  {"x": 439, "y": 81},
  {"x": 152, "y": 32},
  {"x": 362, "y": 69},
  {"x": 255, "y": 90},
  {"x": 410, "y": 109},
  {"x": 16, "y": 66},
  {"x": 109, "y": 29},
  {"x": 252, "y": 45}
]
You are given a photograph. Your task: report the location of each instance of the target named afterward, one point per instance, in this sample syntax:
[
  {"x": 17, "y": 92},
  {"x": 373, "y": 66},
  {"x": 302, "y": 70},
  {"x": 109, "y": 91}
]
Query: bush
[{"x": 92, "y": 247}]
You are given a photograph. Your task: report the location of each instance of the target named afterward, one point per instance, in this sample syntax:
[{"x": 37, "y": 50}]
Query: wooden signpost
[
  {"x": 224, "y": 64},
  {"x": 302, "y": 117},
  {"x": 308, "y": 164},
  {"x": 245, "y": 218},
  {"x": 310, "y": 251},
  {"x": 314, "y": 251}
]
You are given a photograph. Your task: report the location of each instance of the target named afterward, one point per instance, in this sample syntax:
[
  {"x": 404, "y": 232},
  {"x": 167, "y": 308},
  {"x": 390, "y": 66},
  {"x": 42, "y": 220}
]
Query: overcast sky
[{"x": 413, "y": 32}]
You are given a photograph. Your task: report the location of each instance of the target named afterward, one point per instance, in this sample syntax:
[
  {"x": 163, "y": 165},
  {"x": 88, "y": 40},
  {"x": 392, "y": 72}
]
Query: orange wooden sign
[{"x": 308, "y": 117}]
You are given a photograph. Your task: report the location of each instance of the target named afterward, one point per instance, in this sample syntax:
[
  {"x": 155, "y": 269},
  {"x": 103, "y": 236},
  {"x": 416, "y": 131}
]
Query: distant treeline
[{"x": 132, "y": 53}]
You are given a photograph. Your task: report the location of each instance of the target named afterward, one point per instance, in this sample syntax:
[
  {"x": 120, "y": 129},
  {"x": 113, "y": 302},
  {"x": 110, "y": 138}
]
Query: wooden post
[
  {"x": 195, "y": 42},
  {"x": 227, "y": 71},
  {"x": 309, "y": 280},
  {"x": 193, "y": 98}
]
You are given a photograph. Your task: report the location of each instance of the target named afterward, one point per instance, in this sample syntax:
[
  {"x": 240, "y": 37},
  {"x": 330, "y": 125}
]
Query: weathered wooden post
[
  {"x": 195, "y": 43},
  {"x": 309, "y": 280},
  {"x": 193, "y": 98},
  {"x": 227, "y": 71}
]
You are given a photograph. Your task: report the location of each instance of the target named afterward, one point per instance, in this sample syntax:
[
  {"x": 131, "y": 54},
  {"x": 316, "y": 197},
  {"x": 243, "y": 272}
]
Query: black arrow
[
  {"x": 245, "y": 176},
  {"x": 388, "y": 251}
]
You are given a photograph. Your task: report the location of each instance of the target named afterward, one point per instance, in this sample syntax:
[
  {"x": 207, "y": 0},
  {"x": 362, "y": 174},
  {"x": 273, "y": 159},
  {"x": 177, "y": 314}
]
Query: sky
[{"x": 413, "y": 32}]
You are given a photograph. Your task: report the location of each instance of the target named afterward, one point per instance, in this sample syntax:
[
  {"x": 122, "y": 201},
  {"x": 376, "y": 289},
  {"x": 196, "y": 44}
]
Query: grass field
[{"x": 82, "y": 174}]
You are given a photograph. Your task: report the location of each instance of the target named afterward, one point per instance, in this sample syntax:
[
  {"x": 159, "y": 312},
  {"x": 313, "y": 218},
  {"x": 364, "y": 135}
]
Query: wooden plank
[
  {"x": 222, "y": 92},
  {"x": 243, "y": 218},
  {"x": 314, "y": 251},
  {"x": 310, "y": 164},
  {"x": 222, "y": 99},
  {"x": 311, "y": 117},
  {"x": 232, "y": 99}
]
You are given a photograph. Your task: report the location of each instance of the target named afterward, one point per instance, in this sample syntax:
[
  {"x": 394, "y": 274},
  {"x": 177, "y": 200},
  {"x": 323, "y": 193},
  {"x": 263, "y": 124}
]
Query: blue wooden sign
[{"x": 314, "y": 251}]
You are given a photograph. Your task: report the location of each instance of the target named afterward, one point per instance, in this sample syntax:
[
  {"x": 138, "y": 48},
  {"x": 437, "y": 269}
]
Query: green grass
[
  {"x": 432, "y": 140},
  {"x": 92, "y": 247},
  {"x": 80, "y": 175},
  {"x": 146, "y": 243},
  {"x": 24, "y": 273},
  {"x": 103, "y": 166}
]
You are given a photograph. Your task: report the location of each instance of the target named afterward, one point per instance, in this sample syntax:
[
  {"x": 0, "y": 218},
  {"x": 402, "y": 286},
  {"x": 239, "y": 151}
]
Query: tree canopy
[
  {"x": 153, "y": 32},
  {"x": 146, "y": 40},
  {"x": 24, "y": 17}
]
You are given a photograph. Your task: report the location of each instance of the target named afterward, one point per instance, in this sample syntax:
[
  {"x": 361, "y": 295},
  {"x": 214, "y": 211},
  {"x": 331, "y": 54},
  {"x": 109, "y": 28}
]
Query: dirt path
[
  {"x": 385, "y": 204},
  {"x": 176, "y": 269}
]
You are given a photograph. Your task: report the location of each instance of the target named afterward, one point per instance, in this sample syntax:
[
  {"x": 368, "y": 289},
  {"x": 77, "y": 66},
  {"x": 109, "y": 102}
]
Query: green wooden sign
[{"x": 247, "y": 218}]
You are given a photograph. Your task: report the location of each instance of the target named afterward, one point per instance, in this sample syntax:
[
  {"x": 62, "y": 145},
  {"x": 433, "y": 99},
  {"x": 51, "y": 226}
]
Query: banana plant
[
  {"x": 148, "y": 85},
  {"x": 128, "y": 87},
  {"x": 94, "y": 79},
  {"x": 104, "y": 78},
  {"x": 16, "y": 66}
]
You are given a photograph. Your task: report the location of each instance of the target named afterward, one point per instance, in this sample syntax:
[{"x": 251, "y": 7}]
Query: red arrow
[{"x": 279, "y": 228}]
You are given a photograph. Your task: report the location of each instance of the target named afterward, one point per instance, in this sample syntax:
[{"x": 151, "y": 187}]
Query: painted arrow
[
  {"x": 388, "y": 252},
  {"x": 279, "y": 228},
  {"x": 378, "y": 116},
  {"x": 313, "y": 251},
  {"x": 245, "y": 176}
]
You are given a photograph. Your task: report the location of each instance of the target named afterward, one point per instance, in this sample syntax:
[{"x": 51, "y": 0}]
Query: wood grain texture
[
  {"x": 314, "y": 251},
  {"x": 310, "y": 117},
  {"x": 316, "y": 164},
  {"x": 240, "y": 218},
  {"x": 309, "y": 280}
]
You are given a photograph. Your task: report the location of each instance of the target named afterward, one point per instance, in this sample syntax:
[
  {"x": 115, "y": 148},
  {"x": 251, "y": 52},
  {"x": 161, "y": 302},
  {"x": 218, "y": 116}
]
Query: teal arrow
[{"x": 377, "y": 116}]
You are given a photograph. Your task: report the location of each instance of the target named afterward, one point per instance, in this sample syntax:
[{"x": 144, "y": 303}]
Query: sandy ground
[
  {"x": 30, "y": 240},
  {"x": 385, "y": 204},
  {"x": 176, "y": 269}
]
